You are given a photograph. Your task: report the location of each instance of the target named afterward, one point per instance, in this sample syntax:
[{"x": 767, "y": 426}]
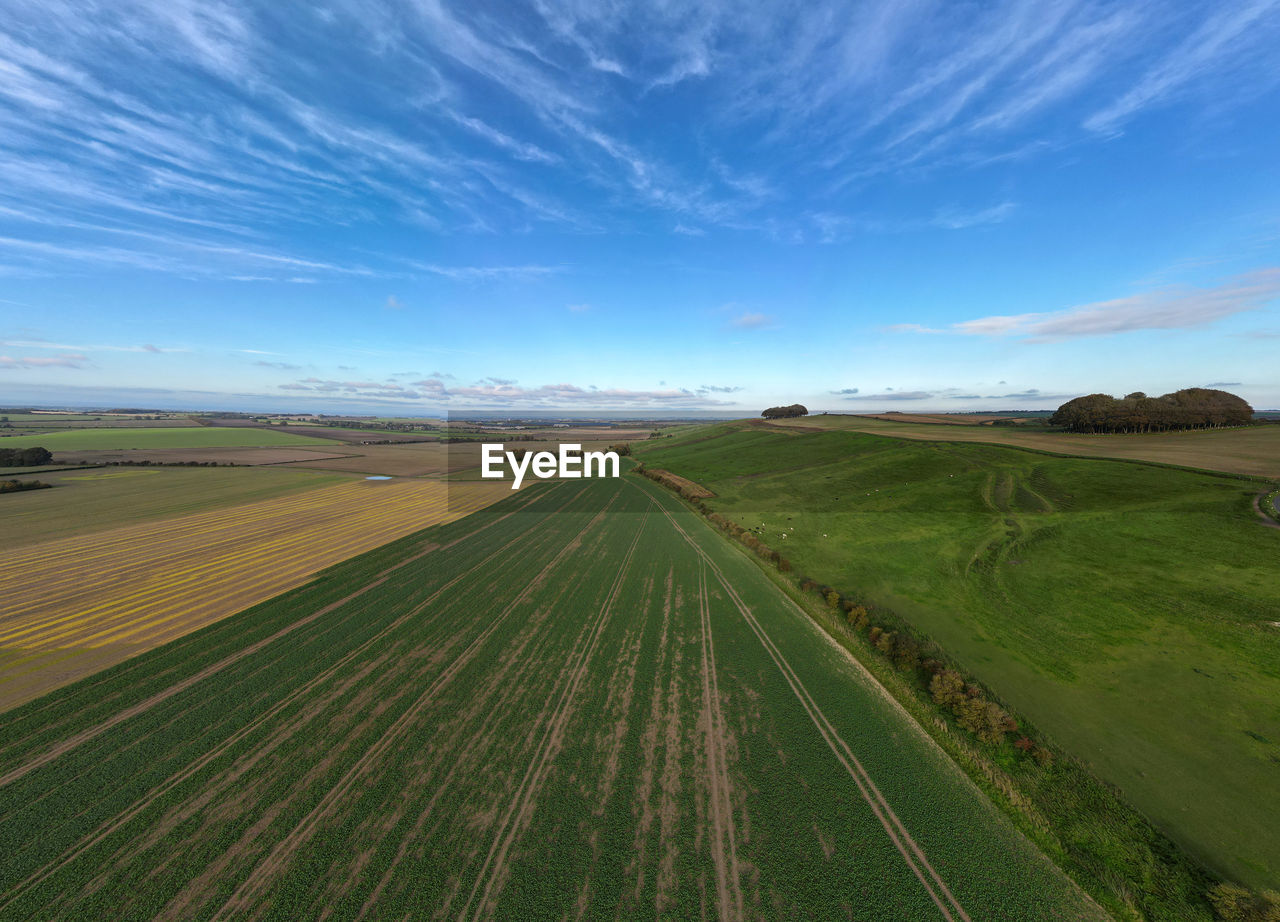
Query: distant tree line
[
  {"x": 1190, "y": 408},
  {"x": 795, "y": 409},
  {"x": 17, "y": 486},
  {"x": 24, "y": 457}
]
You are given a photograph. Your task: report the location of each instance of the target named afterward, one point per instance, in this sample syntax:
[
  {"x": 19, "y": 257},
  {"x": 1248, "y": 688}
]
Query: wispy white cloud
[
  {"x": 504, "y": 392},
  {"x": 752, "y": 320},
  {"x": 230, "y": 140},
  {"x": 65, "y": 360},
  {"x": 1168, "y": 308},
  {"x": 1224, "y": 34},
  {"x": 488, "y": 273},
  {"x": 41, "y": 344}
]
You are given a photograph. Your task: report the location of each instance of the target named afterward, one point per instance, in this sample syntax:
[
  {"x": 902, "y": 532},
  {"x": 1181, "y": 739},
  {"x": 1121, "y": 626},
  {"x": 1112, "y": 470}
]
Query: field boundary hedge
[{"x": 1111, "y": 850}]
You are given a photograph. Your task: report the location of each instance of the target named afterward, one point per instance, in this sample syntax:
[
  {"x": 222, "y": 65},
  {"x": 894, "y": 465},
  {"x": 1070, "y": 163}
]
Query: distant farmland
[
  {"x": 580, "y": 702},
  {"x": 1130, "y": 611},
  {"x": 79, "y": 603},
  {"x": 171, "y": 437}
]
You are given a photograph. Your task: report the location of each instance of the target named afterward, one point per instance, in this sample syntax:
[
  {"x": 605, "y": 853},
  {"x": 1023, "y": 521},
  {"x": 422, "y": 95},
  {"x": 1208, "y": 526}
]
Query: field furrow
[{"x": 581, "y": 703}]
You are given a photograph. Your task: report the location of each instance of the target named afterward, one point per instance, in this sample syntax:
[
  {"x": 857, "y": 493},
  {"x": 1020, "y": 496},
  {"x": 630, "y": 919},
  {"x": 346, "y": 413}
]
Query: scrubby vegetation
[{"x": 18, "y": 486}]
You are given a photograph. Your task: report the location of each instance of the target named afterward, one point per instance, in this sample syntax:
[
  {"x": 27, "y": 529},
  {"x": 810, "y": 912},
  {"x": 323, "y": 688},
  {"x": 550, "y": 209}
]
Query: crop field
[
  {"x": 580, "y": 702},
  {"x": 74, "y": 605},
  {"x": 1254, "y": 451},
  {"x": 174, "y": 437},
  {"x": 412, "y": 459},
  {"x": 97, "y": 499},
  {"x": 1129, "y": 611},
  {"x": 41, "y": 423},
  {"x": 240, "y": 457}
]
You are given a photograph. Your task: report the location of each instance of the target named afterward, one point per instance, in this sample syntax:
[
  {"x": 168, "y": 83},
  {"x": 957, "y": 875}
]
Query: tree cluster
[
  {"x": 17, "y": 486},
  {"x": 1190, "y": 408},
  {"x": 24, "y": 457},
  {"x": 795, "y": 409}
]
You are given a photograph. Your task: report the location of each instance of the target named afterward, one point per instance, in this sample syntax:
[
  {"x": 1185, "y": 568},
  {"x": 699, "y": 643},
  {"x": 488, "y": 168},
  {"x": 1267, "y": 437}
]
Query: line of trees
[
  {"x": 795, "y": 409},
  {"x": 25, "y": 457},
  {"x": 1190, "y": 408},
  {"x": 17, "y": 486}
]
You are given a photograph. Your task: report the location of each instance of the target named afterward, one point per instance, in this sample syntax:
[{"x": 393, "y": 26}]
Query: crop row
[{"x": 580, "y": 700}]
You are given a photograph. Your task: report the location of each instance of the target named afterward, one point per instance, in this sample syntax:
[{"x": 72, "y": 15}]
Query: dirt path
[
  {"x": 911, "y": 852},
  {"x": 1262, "y": 513},
  {"x": 724, "y": 849},
  {"x": 520, "y": 808}
]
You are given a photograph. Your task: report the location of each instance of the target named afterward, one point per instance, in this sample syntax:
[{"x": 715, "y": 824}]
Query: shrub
[{"x": 947, "y": 688}]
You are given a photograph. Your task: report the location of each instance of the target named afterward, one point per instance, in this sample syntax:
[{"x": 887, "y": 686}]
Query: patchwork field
[
  {"x": 240, "y": 457},
  {"x": 173, "y": 437},
  {"x": 578, "y": 703},
  {"x": 74, "y": 605},
  {"x": 1130, "y": 611},
  {"x": 97, "y": 499},
  {"x": 1254, "y": 451}
]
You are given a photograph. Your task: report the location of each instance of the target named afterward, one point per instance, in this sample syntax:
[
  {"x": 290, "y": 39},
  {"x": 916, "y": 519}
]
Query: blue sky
[{"x": 661, "y": 207}]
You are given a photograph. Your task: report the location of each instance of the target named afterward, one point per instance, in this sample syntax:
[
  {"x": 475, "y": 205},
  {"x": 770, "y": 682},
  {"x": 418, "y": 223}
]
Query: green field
[
  {"x": 95, "y": 499},
  {"x": 175, "y": 437},
  {"x": 1130, "y": 611},
  {"x": 581, "y": 702},
  {"x": 1254, "y": 450}
]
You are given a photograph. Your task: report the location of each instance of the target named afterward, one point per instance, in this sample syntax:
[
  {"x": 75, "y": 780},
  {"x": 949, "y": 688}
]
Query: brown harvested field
[
  {"x": 1254, "y": 451},
  {"x": 415, "y": 459},
  {"x": 336, "y": 433},
  {"x": 200, "y": 455},
  {"x": 76, "y": 605}
]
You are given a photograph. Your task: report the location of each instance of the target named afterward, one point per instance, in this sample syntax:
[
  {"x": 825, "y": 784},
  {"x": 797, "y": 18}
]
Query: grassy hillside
[
  {"x": 1130, "y": 611},
  {"x": 579, "y": 703},
  {"x": 1254, "y": 450},
  {"x": 173, "y": 437}
]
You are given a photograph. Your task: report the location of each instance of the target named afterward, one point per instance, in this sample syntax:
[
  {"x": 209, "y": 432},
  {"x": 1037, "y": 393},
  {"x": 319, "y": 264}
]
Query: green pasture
[{"x": 1130, "y": 611}]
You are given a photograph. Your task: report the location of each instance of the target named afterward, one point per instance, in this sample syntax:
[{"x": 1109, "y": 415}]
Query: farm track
[
  {"x": 85, "y": 603},
  {"x": 555, "y": 710},
  {"x": 724, "y": 848}
]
